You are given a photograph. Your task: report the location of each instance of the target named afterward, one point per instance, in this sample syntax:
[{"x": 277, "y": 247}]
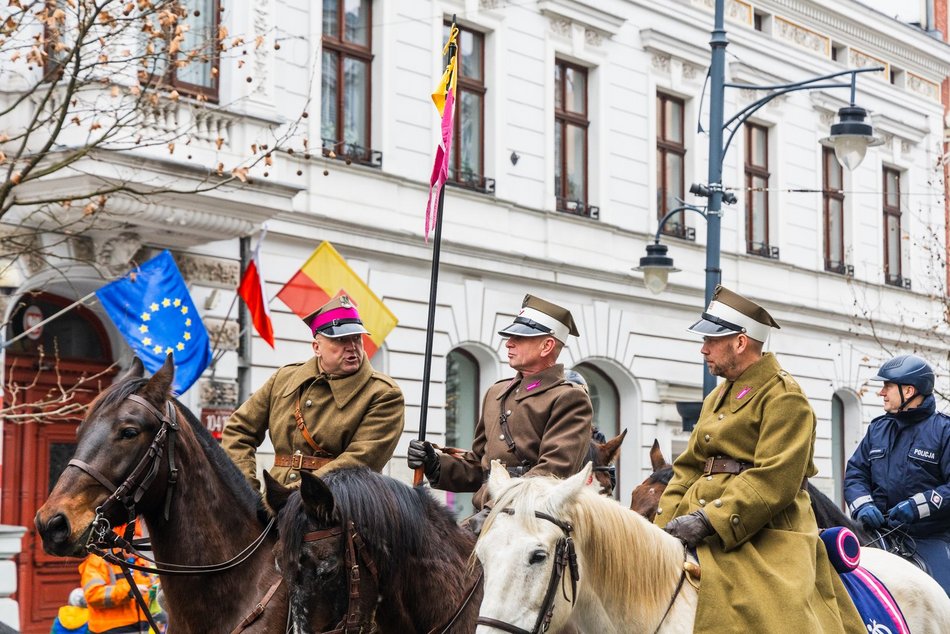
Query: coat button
[
  {"x": 702, "y": 502},
  {"x": 508, "y": 413},
  {"x": 709, "y": 477},
  {"x": 721, "y": 416},
  {"x": 659, "y": 511},
  {"x": 292, "y": 476},
  {"x": 706, "y": 437},
  {"x": 501, "y": 436},
  {"x": 735, "y": 520},
  {"x": 717, "y": 502},
  {"x": 309, "y": 402}
]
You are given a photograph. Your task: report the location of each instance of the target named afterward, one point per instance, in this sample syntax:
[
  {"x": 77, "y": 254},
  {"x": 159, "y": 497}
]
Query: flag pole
[{"x": 433, "y": 294}]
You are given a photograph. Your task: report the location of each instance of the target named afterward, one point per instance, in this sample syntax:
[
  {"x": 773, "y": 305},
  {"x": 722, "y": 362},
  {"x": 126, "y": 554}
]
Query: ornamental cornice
[
  {"x": 585, "y": 15},
  {"x": 937, "y": 62}
]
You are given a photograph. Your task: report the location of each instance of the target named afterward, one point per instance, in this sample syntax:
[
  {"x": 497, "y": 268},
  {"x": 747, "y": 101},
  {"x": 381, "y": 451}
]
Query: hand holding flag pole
[{"x": 444, "y": 99}]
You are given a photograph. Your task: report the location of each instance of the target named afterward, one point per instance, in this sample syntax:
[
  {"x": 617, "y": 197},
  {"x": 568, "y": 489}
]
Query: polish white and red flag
[{"x": 252, "y": 291}]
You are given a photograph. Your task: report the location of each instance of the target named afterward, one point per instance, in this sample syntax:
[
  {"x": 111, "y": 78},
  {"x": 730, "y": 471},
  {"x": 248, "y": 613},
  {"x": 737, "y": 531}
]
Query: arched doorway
[
  {"x": 605, "y": 399},
  {"x": 50, "y": 375}
]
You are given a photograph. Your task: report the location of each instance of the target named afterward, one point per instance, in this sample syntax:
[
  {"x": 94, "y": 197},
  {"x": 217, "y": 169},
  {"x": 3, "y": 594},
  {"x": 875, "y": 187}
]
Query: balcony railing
[
  {"x": 578, "y": 208},
  {"x": 834, "y": 266},
  {"x": 679, "y": 230},
  {"x": 762, "y": 249},
  {"x": 352, "y": 153},
  {"x": 470, "y": 180},
  {"x": 897, "y": 280}
]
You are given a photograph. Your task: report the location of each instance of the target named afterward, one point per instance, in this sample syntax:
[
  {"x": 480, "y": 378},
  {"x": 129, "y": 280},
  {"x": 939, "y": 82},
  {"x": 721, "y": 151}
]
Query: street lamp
[{"x": 851, "y": 137}]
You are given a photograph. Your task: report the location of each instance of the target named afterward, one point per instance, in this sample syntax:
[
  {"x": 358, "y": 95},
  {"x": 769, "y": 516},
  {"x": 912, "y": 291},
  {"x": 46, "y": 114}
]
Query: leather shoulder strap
[{"x": 298, "y": 417}]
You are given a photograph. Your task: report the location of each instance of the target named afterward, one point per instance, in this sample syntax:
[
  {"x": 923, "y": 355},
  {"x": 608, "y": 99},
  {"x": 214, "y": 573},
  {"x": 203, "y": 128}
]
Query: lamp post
[{"x": 851, "y": 137}]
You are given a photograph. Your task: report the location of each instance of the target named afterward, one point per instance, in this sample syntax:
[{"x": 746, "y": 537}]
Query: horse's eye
[
  {"x": 537, "y": 557},
  {"x": 128, "y": 432}
]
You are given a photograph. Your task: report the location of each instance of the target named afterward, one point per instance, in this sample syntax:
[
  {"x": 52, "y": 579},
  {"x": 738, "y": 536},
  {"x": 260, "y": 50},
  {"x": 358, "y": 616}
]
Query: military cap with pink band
[{"x": 336, "y": 318}]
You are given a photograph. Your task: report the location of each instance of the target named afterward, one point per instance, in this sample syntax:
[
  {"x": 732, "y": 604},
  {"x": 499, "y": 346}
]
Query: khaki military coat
[
  {"x": 550, "y": 423},
  {"x": 358, "y": 418},
  {"x": 765, "y": 569}
]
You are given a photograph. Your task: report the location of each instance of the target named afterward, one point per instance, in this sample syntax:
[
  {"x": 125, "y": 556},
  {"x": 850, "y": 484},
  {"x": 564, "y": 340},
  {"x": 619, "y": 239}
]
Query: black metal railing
[
  {"x": 897, "y": 280},
  {"x": 834, "y": 266},
  {"x": 679, "y": 230},
  {"x": 470, "y": 180},
  {"x": 352, "y": 153},
  {"x": 762, "y": 249},
  {"x": 578, "y": 208}
]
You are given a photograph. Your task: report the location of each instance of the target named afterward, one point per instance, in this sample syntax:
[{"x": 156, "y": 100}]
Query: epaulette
[{"x": 388, "y": 380}]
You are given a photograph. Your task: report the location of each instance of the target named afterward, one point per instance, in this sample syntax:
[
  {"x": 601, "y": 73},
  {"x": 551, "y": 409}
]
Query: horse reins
[
  {"x": 103, "y": 542},
  {"x": 564, "y": 558},
  {"x": 353, "y": 621}
]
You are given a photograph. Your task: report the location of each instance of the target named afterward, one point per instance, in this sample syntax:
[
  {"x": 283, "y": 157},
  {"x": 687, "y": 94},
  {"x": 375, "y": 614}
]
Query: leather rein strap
[{"x": 564, "y": 558}]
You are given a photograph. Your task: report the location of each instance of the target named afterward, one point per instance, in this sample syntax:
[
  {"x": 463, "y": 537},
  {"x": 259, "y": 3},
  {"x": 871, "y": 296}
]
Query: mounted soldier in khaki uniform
[
  {"x": 329, "y": 412},
  {"x": 738, "y": 491},
  {"x": 537, "y": 423}
]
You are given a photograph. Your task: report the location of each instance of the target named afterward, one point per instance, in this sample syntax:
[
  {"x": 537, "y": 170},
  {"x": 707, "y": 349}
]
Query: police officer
[
  {"x": 902, "y": 465},
  {"x": 536, "y": 423},
  {"x": 332, "y": 411},
  {"x": 738, "y": 491}
]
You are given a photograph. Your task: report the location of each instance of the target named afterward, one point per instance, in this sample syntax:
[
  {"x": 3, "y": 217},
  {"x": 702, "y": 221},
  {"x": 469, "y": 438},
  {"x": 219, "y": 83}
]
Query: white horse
[{"x": 630, "y": 572}]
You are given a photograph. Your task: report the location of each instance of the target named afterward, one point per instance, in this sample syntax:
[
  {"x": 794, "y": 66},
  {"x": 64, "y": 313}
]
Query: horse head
[
  {"x": 646, "y": 497},
  {"x": 96, "y": 490},
  {"x": 316, "y": 555},
  {"x": 603, "y": 456}
]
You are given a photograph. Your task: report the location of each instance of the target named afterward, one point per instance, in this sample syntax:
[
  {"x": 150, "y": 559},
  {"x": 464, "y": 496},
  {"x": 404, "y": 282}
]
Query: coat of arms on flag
[{"x": 326, "y": 275}]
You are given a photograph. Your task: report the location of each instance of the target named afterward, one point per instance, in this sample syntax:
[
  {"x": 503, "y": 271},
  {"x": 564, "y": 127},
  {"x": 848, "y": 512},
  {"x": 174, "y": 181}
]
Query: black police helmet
[{"x": 908, "y": 369}]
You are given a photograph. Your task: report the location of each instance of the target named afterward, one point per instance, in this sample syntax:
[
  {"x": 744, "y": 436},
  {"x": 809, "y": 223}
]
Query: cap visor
[
  {"x": 343, "y": 330},
  {"x": 522, "y": 330},
  {"x": 709, "y": 329}
]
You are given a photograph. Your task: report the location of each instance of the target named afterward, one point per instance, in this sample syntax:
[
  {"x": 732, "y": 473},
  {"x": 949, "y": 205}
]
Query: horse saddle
[{"x": 875, "y": 604}]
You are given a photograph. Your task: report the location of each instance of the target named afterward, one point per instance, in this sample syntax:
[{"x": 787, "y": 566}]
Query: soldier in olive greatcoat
[
  {"x": 329, "y": 412},
  {"x": 536, "y": 423},
  {"x": 738, "y": 491}
]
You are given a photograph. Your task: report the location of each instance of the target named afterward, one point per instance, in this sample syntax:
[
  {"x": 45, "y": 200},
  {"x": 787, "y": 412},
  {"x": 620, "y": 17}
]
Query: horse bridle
[
  {"x": 356, "y": 620},
  {"x": 130, "y": 492},
  {"x": 103, "y": 541},
  {"x": 564, "y": 558}
]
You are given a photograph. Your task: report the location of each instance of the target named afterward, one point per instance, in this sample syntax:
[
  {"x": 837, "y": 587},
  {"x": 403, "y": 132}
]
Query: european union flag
[{"x": 153, "y": 310}]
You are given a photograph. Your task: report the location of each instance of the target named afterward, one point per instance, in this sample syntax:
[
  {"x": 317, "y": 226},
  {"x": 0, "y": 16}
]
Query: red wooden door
[{"x": 39, "y": 439}]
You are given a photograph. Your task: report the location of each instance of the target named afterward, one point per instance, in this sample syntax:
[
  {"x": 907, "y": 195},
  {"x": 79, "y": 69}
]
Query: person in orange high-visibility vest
[{"x": 112, "y": 605}]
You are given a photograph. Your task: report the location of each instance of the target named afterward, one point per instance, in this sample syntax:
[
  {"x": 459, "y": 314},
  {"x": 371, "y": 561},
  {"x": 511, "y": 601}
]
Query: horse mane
[
  {"x": 663, "y": 475},
  {"x": 119, "y": 391},
  {"x": 828, "y": 515},
  {"x": 632, "y": 557},
  {"x": 399, "y": 524}
]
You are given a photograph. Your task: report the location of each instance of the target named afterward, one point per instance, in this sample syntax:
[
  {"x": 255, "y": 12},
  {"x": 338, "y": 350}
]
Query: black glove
[
  {"x": 690, "y": 529},
  {"x": 422, "y": 454}
]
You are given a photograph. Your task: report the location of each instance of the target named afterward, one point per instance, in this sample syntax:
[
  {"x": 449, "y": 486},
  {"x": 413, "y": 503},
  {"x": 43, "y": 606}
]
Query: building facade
[{"x": 580, "y": 124}]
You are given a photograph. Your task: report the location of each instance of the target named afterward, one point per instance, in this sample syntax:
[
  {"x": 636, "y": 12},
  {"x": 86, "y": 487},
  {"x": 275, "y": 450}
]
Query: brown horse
[
  {"x": 603, "y": 455},
  {"x": 198, "y": 507},
  {"x": 364, "y": 550}
]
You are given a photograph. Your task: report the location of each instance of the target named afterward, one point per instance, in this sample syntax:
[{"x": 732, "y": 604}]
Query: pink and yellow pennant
[{"x": 444, "y": 100}]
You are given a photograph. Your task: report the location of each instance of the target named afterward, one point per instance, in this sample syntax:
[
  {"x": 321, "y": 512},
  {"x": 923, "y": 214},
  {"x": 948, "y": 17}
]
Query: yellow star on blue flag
[{"x": 152, "y": 309}]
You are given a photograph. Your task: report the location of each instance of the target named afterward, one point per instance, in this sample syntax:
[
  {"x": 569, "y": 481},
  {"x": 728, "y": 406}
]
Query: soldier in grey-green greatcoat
[{"x": 738, "y": 491}]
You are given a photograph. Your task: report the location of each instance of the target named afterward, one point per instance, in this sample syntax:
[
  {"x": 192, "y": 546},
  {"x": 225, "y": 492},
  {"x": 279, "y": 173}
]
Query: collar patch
[
  {"x": 743, "y": 392},
  {"x": 531, "y": 386}
]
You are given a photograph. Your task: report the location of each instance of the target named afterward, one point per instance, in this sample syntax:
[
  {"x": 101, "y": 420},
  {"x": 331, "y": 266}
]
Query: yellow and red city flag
[
  {"x": 444, "y": 100},
  {"x": 326, "y": 275}
]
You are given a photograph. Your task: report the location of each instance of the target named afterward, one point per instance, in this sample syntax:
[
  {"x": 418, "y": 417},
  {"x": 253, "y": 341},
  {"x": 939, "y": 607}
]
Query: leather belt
[
  {"x": 725, "y": 464},
  {"x": 299, "y": 461}
]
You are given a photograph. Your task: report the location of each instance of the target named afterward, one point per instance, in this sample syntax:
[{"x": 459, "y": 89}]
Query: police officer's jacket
[{"x": 905, "y": 455}]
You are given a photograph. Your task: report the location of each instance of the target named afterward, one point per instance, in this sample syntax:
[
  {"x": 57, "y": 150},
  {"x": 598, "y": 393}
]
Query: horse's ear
[
  {"x": 656, "y": 456},
  {"x": 136, "y": 370},
  {"x": 158, "y": 388},
  {"x": 566, "y": 490},
  {"x": 611, "y": 448},
  {"x": 498, "y": 479},
  {"x": 317, "y": 497},
  {"x": 275, "y": 493}
]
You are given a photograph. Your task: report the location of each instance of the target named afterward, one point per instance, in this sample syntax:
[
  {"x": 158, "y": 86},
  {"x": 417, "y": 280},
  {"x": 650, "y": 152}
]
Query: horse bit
[{"x": 564, "y": 557}]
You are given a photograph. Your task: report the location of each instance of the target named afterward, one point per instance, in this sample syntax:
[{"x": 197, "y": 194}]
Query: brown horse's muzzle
[{"x": 64, "y": 521}]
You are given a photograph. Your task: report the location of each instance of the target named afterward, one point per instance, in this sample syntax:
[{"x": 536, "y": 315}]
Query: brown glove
[{"x": 690, "y": 529}]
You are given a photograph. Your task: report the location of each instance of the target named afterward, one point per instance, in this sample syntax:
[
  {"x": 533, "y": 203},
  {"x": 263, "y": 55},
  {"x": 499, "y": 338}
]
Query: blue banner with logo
[{"x": 153, "y": 310}]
